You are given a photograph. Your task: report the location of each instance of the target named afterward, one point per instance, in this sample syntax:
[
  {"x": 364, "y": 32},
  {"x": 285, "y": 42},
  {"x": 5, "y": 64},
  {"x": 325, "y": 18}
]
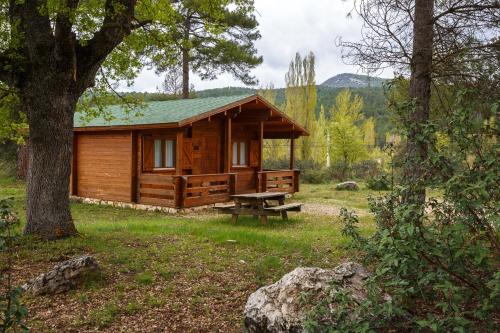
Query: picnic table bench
[{"x": 257, "y": 204}]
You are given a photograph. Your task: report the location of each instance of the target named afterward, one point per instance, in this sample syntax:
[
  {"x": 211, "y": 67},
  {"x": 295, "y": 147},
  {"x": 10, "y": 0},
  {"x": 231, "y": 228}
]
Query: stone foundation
[{"x": 151, "y": 208}]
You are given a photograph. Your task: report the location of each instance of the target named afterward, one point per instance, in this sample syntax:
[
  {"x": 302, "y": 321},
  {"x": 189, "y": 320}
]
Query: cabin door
[{"x": 206, "y": 155}]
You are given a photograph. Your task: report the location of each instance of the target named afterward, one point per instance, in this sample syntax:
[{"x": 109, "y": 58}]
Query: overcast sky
[{"x": 288, "y": 26}]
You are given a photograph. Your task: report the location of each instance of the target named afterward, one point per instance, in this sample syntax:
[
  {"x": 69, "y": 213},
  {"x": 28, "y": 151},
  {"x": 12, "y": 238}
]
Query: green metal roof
[{"x": 163, "y": 112}]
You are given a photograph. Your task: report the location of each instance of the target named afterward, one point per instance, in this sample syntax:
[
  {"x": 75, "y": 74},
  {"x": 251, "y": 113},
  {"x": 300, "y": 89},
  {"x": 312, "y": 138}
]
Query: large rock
[
  {"x": 278, "y": 307},
  {"x": 347, "y": 186},
  {"x": 62, "y": 277}
]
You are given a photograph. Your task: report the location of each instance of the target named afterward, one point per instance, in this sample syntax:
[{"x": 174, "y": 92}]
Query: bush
[
  {"x": 12, "y": 312},
  {"x": 381, "y": 183},
  {"x": 439, "y": 261}
]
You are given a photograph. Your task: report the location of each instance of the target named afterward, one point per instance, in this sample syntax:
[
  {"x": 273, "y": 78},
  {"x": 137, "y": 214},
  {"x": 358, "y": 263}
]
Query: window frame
[
  {"x": 239, "y": 144},
  {"x": 163, "y": 152}
]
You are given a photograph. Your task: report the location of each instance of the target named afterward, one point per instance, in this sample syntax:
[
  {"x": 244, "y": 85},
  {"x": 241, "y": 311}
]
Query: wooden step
[{"x": 296, "y": 207}]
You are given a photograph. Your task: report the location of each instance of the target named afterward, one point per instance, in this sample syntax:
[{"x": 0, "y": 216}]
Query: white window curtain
[
  {"x": 158, "y": 154},
  {"x": 170, "y": 153}
]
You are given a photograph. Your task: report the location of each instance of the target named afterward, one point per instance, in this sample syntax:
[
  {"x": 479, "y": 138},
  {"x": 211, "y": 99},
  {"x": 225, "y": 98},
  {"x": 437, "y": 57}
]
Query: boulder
[
  {"x": 347, "y": 186},
  {"x": 279, "y": 307},
  {"x": 62, "y": 277}
]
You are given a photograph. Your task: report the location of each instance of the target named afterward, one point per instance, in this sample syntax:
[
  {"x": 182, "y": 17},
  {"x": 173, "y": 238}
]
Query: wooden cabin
[{"x": 182, "y": 153}]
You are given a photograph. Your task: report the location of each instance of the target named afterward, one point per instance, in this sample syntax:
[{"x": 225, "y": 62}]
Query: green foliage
[
  {"x": 380, "y": 183},
  {"x": 346, "y": 137},
  {"x": 440, "y": 264},
  {"x": 301, "y": 98},
  {"x": 12, "y": 312},
  {"x": 215, "y": 38}
]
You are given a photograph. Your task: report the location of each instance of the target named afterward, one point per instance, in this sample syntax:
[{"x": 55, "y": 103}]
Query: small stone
[
  {"x": 62, "y": 277},
  {"x": 243, "y": 262},
  {"x": 347, "y": 186},
  {"x": 232, "y": 241}
]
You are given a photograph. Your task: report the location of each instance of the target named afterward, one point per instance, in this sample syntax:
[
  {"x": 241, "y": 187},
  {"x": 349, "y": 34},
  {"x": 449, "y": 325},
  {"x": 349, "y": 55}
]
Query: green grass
[{"x": 176, "y": 271}]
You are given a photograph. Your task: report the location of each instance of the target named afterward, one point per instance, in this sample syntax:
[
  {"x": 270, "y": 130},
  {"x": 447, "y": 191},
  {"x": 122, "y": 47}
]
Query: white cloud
[{"x": 288, "y": 26}]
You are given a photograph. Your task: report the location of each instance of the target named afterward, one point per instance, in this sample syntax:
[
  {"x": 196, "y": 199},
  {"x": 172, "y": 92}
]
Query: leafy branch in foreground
[
  {"x": 441, "y": 270},
  {"x": 12, "y": 312}
]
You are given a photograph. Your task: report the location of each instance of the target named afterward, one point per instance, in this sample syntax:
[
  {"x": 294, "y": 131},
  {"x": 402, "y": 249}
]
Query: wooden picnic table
[{"x": 257, "y": 204}]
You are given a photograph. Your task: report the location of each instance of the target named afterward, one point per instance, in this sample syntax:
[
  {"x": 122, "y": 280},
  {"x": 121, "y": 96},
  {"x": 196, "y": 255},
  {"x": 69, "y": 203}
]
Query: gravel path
[{"x": 322, "y": 209}]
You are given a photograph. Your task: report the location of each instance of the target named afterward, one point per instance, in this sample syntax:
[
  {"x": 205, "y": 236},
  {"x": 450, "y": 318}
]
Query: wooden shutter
[
  {"x": 254, "y": 153},
  {"x": 187, "y": 154},
  {"x": 147, "y": 153}
]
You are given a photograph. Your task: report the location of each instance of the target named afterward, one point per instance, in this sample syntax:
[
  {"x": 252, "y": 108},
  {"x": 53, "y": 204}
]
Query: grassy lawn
[{"x": 175, "y": 273}]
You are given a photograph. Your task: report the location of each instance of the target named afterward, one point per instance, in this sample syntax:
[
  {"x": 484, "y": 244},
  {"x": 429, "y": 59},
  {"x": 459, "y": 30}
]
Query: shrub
[
  {"x": 381, "y": 183},
  {"x": 440, "y": 261},
  {"x": 12, "y": 312}
]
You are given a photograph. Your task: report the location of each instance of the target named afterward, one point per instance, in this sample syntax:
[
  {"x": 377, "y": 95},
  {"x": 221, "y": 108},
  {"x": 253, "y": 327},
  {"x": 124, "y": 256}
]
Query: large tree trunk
[
  {"x": 50, "y": 116},
  {"x": 420, "y": 93},
  {"x": 185, "y": 73}
]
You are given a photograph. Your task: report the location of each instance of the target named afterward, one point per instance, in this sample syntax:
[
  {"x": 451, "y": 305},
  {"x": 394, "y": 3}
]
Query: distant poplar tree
[
  {"x": 320, "y": 135},
  {"x": 300, "y": 97},
  {"x": 347, "y": 144},
  {"x": 369, "y": 132}
]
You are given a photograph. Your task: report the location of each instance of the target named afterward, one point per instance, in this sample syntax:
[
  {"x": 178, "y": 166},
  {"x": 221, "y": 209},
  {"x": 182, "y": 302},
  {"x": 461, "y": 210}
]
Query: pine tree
[{"x": 210, "y": 42}]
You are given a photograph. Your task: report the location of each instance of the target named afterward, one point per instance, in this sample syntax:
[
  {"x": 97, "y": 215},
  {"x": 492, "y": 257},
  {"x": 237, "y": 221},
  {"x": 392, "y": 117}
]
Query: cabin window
[
  {"x": 164, "y": 154},
  {"x": 240, "y": 153}
]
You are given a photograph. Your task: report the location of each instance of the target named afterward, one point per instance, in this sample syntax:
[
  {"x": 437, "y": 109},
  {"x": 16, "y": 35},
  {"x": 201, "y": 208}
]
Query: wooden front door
[{"x": 206, "y": 155}]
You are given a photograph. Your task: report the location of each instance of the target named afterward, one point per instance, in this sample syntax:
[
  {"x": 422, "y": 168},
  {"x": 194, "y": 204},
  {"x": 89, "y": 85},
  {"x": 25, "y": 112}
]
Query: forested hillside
[{"x": 373, "y": 97}]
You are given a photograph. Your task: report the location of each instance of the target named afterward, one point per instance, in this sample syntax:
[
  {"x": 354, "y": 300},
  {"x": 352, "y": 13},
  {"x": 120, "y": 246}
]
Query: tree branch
[{"x": 116, "y": 26}]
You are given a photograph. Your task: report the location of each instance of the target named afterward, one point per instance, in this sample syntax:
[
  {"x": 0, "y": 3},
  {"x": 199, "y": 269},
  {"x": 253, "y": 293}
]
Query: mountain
[{"x": 348, "y": 80}]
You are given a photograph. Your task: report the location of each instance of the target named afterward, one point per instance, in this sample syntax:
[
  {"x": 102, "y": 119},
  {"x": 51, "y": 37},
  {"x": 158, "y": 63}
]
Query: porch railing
[
  {"x": 200, "y": 190},
  {"x": 187, "y": 190},
  {"x": 279, "y": 181},
  {"x": 157, "y": 189}
]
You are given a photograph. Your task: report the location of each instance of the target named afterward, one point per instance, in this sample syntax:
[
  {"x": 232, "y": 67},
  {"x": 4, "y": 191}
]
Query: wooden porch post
[
  {"x": 133, "y": 167},
  {"x": 292, "y": 153},
  {"x": 179, "y": 146},
  {"x": 228, "y": 146},
  {"x": 261, "y": 144}
]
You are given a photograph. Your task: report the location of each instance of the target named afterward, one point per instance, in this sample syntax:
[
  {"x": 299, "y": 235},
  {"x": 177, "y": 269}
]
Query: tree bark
[
  {"x": 22, "y": 161},
  {"x": 185, "y": 73},
  {"x": 420, "y": 93},
  {"x": 50, "y": 116}
]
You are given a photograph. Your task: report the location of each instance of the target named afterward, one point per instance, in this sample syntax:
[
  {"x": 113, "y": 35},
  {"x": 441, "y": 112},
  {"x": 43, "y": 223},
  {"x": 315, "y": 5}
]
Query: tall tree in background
[
  {"x": 347, "y": 144},
  {"x": 301, "y": 96},
  {"x": 214, "y": 39},
  {"x": 369, "y": 132},
  {"x": 320, "y": 133},
  {"x": 433, "y": 41},
  {"x": 51, "y": 52}
]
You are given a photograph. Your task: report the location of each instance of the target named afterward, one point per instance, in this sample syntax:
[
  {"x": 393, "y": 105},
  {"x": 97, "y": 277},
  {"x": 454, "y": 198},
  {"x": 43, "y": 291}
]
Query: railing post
[
  {"x": 180, "y": 185},
  {"x": 296, "y": 178},
  {"x": 263, "y": 184},
  {"x": 232, "y": 183}
]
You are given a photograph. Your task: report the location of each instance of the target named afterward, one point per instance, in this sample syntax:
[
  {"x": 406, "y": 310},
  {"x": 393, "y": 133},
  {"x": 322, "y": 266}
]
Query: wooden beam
[
  {"x": 74, "y": 167},
  {"x": 228, "y": 145},
  {"x": 292, "y": 153},
  {"x": 179, "y": 144},
  {"x": 133, "y": 167},
  {"x": 261, "y": 143}
]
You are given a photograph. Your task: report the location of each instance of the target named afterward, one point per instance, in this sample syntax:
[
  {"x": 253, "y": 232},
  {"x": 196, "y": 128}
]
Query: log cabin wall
[{"x": 104, "y": 165}]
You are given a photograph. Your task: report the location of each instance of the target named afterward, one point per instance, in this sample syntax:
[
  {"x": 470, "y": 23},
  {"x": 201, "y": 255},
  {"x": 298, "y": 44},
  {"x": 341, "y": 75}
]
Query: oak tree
[{"x": 51, "y": 53}]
